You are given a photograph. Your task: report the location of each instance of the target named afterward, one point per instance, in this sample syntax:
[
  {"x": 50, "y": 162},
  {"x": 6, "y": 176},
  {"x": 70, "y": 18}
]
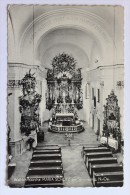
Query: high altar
[{"x": 64, "y": 94}]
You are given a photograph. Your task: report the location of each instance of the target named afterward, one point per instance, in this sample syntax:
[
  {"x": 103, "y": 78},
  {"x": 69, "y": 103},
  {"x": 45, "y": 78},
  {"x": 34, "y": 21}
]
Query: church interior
[{"x": 65, "y": 96}]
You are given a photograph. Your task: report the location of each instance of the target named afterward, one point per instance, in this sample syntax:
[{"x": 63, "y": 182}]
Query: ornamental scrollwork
[
  {"x": 63, "y": 63},
  {"x": 14, "y": 84},
  {"x": 111, "y": 126},
  {"x": 64, "y": 82}
]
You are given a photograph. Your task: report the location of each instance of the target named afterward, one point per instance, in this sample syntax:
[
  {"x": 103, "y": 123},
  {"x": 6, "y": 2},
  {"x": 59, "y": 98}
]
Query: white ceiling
[
  {"x": 85, "y": 45},
  {"x": 71, "y": 41}
]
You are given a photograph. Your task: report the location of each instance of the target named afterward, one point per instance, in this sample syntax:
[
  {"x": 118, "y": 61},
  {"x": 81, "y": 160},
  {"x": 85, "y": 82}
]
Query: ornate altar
[
  {"x": 64, "y": 93},
  {"x": 111, "y": 126},
  {"x": 29, "y": 105}
]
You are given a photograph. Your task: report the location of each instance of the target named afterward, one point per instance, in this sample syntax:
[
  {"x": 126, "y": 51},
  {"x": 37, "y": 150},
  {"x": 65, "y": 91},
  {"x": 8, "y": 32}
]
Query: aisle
[{"x": 75, "y": 172}]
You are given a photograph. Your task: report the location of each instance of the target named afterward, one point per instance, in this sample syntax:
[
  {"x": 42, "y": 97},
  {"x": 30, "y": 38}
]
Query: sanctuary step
[
  {"x": 102, "y": 167},
  {"x": 45, "y": 168},
  {"x": 107, "y": 177}
]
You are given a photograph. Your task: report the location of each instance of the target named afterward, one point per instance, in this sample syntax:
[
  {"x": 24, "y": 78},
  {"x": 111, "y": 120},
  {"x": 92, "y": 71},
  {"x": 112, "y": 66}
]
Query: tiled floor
[{"x": 75, "y": 171}]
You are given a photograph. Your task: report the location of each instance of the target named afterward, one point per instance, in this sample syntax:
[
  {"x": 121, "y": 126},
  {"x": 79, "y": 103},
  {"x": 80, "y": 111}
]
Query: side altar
[{"x": 64, "y": 94}]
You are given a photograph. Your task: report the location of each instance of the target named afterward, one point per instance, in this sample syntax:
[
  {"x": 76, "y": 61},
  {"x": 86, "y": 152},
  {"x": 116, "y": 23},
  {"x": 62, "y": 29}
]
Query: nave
[
  {"x": 56, "y": 158},
  {"x": 75, "y": 172}
]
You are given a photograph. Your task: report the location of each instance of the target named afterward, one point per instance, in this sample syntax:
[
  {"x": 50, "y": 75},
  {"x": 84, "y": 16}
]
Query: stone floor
[
  {"x": 21, "y": 169},
  {"x": 75, "y": 172},
  {"x": 87, "y": 137}
]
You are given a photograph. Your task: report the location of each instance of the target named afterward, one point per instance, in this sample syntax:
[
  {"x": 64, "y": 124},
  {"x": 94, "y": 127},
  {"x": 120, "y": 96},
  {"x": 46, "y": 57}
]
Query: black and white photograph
[
  {"x": 65, "y": 96},
  {"x": 64, "y": 80}
]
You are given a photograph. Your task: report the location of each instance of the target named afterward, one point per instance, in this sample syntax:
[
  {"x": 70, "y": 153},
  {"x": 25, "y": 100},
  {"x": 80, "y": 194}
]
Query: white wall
[{"x": 108, "y": 76}]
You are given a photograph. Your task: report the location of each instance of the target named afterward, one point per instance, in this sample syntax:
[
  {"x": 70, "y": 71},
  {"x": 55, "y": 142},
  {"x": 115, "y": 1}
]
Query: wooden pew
[
  {"x": 45, "y": 151},
  {"x": 48, "y": 148},
  {"x": 96, "y": 155},
  {"x": 105, "y": 168},
  {"x": 46, "y": 156},
  {"x": 45, "y": 163},
  {"x": 106, "y": 160},
  {"x": 46, "y": 178},
  {"x": 45, "y": 185},
  {"x": 108, "y": 179},
  {"x": 45, "y": 170},
  {"x": 55, "y": 180},
  {"x": 94, "y": 149},
  {"x": 110, "y": 184}
]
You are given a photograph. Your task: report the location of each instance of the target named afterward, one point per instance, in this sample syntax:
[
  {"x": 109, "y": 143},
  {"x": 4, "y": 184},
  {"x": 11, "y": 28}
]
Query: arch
[{"x": 74, "y": 18}]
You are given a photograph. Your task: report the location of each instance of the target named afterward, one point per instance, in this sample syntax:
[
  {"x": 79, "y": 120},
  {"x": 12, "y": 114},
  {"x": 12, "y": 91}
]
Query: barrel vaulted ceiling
[{"x": 93, "y": 35}]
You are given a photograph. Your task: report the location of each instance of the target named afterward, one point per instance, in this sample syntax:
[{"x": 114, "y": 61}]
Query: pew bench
[
  {"x": 45, "y": 170},
  {"x": 55, "y": 180},
  {"x": 95, "y": 149},
  {"x": 46, "y": 156},
  {"x": 96, "y": 155},
  {"x": 105, "y": 168},
  {"x": 106, "y": 160},
  {"x": 45, "y": 163},
  {"x": 48, "y": 148},
  {"x": 45, "y": 151},
  {"x": 45, "y": 185},
  {"x": 101, "y": 178},
  {"x": 44, "y": 178},
  {"x": 110, "y": 184}
]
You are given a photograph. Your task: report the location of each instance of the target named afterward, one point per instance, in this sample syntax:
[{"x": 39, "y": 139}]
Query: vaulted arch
[{"x": 85, "y": 22}]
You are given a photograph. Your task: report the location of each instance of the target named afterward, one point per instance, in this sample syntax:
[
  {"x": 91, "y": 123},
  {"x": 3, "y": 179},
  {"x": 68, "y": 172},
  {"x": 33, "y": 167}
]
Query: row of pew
[
  {"x": 102, "y": 167},
  {"x": 46, "y": 169}
]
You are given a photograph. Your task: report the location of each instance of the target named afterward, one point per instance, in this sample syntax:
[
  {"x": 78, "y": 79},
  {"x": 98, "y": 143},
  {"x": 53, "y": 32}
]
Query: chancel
[{"x": 65, "y": 96}]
